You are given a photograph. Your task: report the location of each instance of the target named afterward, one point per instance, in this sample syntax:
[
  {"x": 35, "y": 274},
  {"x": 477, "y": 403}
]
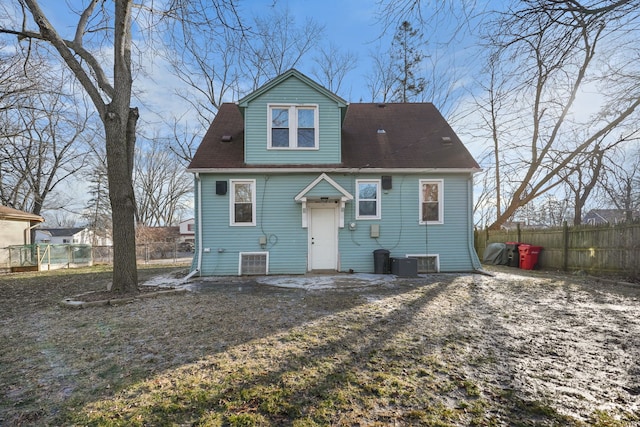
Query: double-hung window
[
  {"x": 368, "y": 199},
  {"x": 431, "y": 203},
  {"x": 293, "y": 126},
  {"x": 242, "y": 204}
]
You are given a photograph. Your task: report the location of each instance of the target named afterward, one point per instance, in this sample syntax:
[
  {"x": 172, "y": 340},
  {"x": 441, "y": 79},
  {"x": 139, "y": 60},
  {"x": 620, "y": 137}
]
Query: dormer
[{"x": 292, "y": 120}]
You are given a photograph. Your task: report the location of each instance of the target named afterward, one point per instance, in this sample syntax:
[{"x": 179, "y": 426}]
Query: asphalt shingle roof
[
  {"x": 415, "y": 136},
  {"x": 15, "y": 214}
]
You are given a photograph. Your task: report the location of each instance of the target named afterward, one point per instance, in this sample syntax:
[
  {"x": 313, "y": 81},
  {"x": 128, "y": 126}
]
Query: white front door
[{"x": 323, "y": 238}]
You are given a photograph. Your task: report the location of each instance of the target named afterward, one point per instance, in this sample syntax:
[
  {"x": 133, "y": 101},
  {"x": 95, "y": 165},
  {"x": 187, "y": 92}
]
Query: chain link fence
[{"x": 50, "y": 257}]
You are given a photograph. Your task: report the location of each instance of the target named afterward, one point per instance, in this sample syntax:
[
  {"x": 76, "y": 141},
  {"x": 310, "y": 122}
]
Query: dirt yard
[{"x": 519, "y": 348}]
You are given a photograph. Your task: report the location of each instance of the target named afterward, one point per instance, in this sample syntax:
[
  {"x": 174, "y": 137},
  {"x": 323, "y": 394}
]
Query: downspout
[
  {"x": 199, "y": 227},
  {"x": 475, "y": 261},
  {"x": 28, "y": 229}
]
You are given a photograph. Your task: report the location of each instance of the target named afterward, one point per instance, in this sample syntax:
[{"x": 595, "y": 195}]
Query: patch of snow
[
  {"x": 165, "y": 281},
  {"x": 319, "y": 282}
]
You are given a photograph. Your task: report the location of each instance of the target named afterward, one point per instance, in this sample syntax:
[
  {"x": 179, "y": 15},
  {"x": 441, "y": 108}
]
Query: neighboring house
[
  {"x": 16, "y": 226},
  {"x": 56, "y": 236},
  {"x": 292, "y": 179},
  {"x": 607, "y": 216},
  {"x": 187, "y": 231}
]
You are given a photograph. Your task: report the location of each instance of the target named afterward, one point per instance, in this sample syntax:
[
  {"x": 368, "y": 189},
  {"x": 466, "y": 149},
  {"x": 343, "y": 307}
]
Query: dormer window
[{"x": 293, "y": 127}]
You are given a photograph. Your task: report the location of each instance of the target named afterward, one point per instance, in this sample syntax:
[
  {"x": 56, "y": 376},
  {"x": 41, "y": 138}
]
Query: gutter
[
  {"x": 319, "y": 169},
  {"x": 26, "y": 230}
]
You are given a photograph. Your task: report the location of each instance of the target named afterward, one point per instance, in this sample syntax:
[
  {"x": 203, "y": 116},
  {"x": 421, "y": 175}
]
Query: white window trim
[
  {"x": 293, "y": 126},
  {"x": 232, "y": 202},
  {"x": 440, "y": 184},
  {"x": 378, "y": 196}
]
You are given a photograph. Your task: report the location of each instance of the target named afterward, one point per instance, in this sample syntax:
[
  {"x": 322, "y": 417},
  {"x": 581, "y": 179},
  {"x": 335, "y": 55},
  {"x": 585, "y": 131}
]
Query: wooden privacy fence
[{"x": 602, "y": 249}]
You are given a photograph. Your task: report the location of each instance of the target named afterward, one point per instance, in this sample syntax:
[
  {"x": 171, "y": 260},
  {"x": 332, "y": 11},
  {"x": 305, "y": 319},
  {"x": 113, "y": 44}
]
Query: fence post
[
  {"x": 175, "y": 251},
  {"x": 565, "y": 246},
  {"x": 519, "y": 239}
]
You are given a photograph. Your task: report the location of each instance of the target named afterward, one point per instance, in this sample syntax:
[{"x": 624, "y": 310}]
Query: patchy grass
[{"x": 418, "y": 352}]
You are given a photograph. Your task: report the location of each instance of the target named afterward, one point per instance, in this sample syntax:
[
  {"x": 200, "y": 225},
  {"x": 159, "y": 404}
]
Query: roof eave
[
  {"x": 26, "y": 217},
  {"x": 243, "y": 102},
  {"x": 320, "y": 169}
]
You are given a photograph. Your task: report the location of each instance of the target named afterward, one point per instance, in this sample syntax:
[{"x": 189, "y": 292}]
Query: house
[
  {"x": 15, "y": 229},
  {"x": 293, "y": 179},
  {"x": 16, "y": 226},
  {"x": 607, "y": 216},
  {"x": 73, "y": 235},
  {"x": 187, "y": 230}
]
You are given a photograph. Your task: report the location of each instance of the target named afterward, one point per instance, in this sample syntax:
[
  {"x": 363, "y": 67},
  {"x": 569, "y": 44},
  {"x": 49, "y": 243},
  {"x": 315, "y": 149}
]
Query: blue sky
[{"x": 353, "y": 25}]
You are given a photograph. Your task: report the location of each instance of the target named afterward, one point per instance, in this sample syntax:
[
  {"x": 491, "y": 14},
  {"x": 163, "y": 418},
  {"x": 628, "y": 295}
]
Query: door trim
[{"x": 336, "y": 210}]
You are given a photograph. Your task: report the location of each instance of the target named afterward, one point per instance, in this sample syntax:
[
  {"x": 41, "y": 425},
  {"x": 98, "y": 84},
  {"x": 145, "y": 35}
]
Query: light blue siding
[
  {"x": 279, "y": 219},
  {"x": 292, "y": 91},
  {"x": 400, "y": 230}
]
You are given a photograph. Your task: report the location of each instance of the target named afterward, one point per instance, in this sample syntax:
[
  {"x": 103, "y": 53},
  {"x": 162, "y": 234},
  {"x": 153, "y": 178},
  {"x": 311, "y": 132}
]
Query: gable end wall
[{"x": 292, "y": 91}]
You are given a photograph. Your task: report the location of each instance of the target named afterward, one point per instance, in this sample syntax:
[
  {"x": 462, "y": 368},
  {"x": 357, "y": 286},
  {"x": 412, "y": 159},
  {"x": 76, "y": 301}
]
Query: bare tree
[
  {"x": 103, "y": 38},
  {"x": 17, "y": 82},
  {"x": 548, "y": 54},
  {"x": 581, "y": 178},
  {"x": 233, "y": 59},
  {"x": 161, "y": 186},
  {"x": 61, "y": 219},
  {"x": 396, "y": 73},
  {"x": 550, "y": 49},
  {"x": 184, "y": 141},
  {"x": 111, "y": 98},
  {"x": 590, "y": 170},
  {"x": 621, "y": 184},
  {"x": 209, "y": 66},
  {"x": 490, "y": 109},
  {"x": 381, "y": 79},
  {"x": 48, "y": 149},
  {"x": 333, "y": 65},
  {"x": 276, "y": 44}
]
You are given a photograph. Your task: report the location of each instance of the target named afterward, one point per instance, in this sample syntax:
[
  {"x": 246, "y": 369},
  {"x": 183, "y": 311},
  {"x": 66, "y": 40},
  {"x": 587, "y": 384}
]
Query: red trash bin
[{"x": 529, "y": 256}]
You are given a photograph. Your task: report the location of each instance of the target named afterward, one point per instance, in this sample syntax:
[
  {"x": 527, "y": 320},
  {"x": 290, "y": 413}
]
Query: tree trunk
[
  {"x": 118, "y": 117},
  {"x": 120, "y": 140},
  {"x": 120, "y": 122},
  {"x": 577, "y": 212}
]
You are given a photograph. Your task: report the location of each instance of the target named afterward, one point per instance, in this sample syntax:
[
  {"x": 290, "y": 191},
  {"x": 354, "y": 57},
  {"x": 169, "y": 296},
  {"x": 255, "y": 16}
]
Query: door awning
[{"x": 323, "y": 188}]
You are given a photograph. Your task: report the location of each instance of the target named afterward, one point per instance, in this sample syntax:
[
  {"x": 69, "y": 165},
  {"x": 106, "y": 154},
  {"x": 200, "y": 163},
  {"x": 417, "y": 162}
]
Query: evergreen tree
[
  {"x": 97, "y": 212},
  {"x": 407, "y": 57}
]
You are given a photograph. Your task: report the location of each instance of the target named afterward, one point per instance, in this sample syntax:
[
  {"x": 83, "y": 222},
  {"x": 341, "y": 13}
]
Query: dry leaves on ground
[{"x": 526, "y": 348}]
